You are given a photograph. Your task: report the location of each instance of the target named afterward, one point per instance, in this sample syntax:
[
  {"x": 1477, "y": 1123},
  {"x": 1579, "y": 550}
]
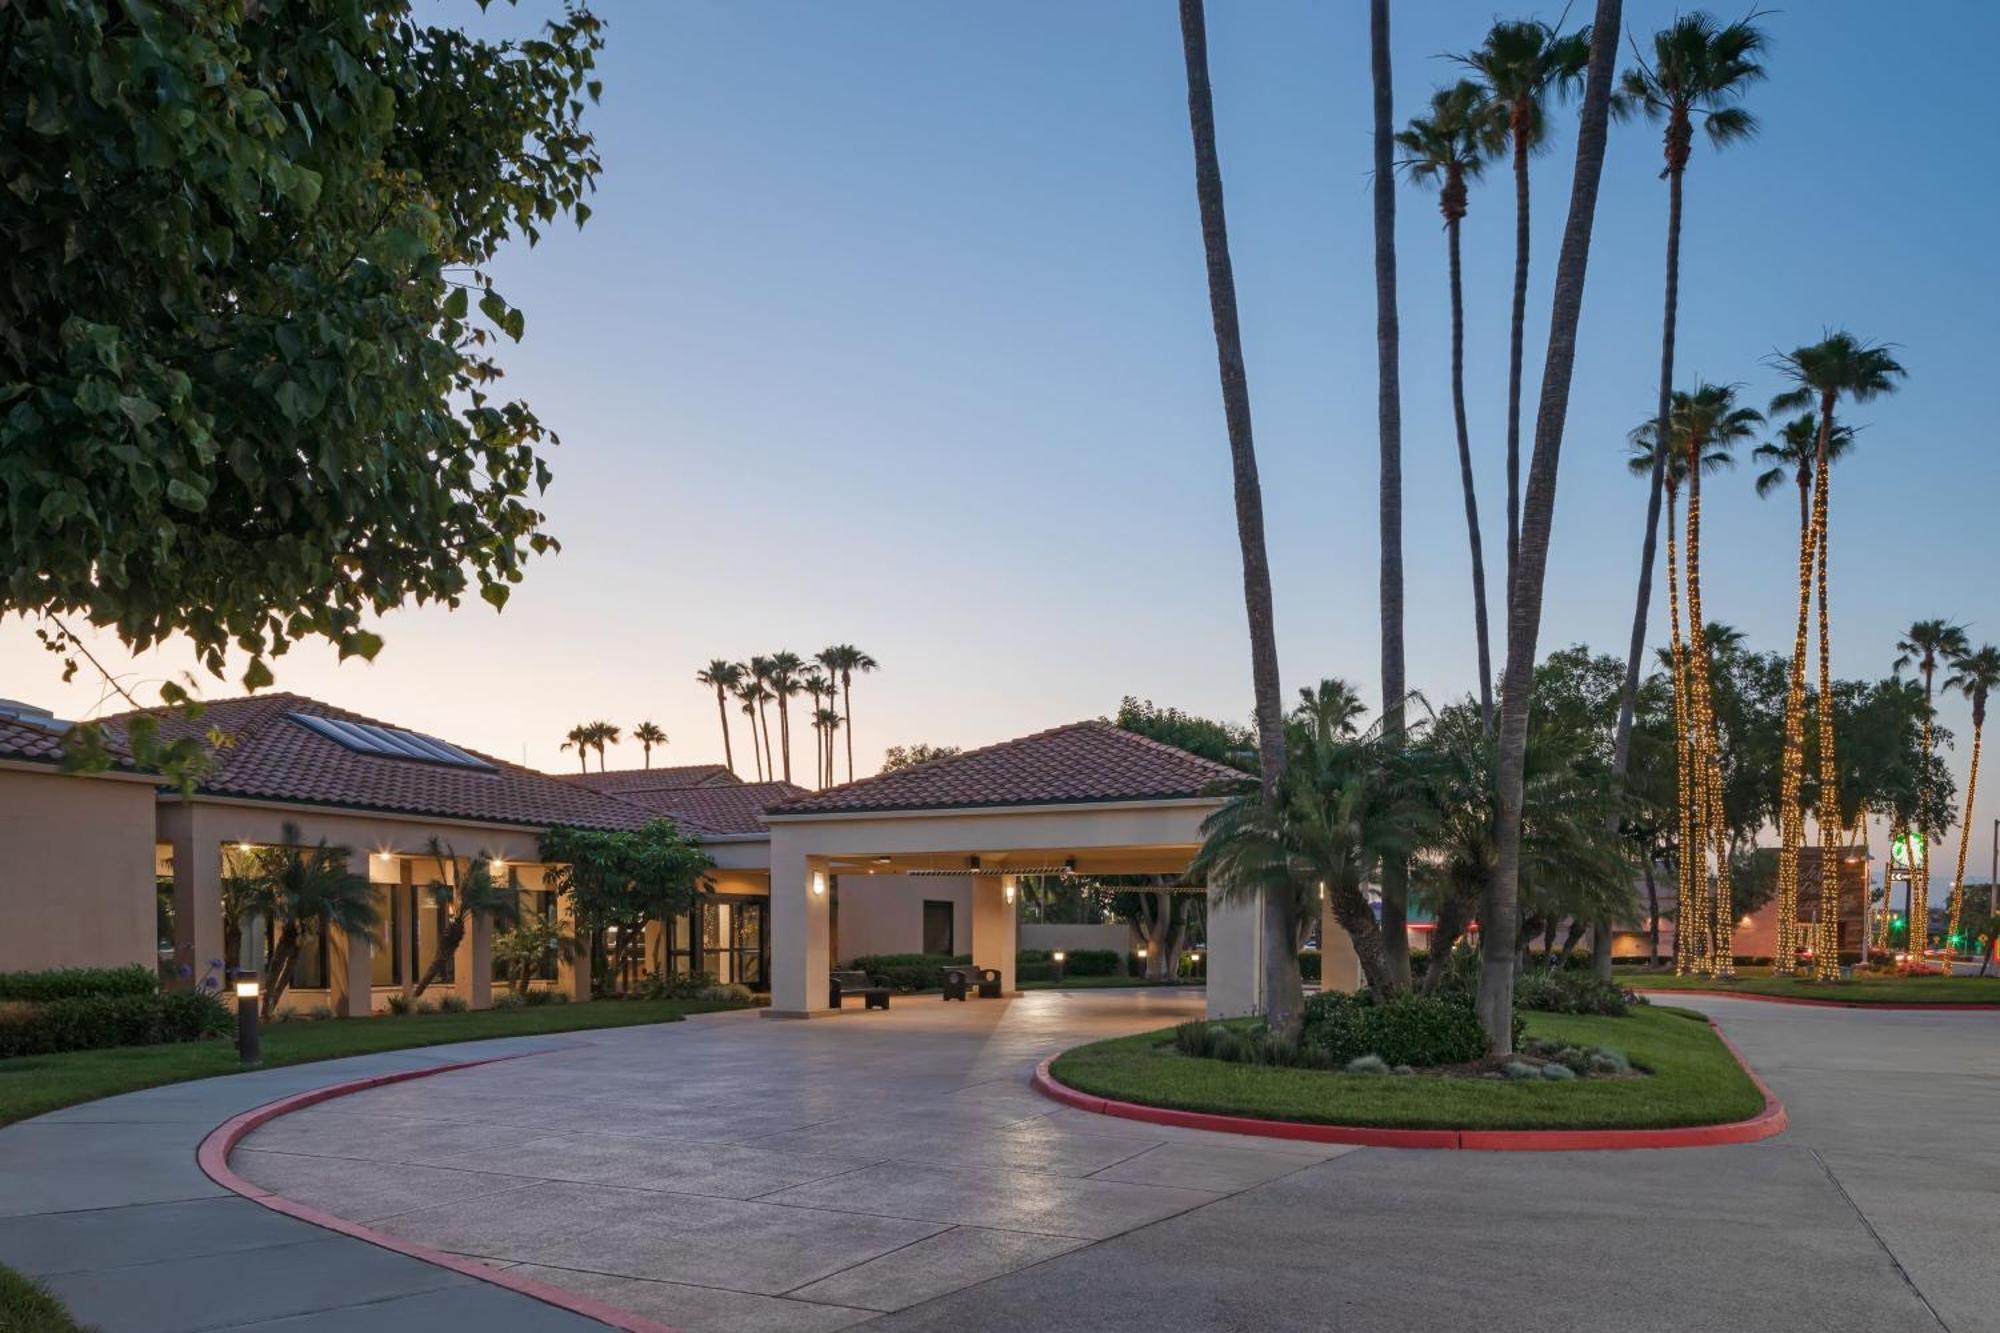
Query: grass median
[
  {"x": 1691, "y": 1079},
  {"x": 32, "y": 1084},
  {"x": 1927, "y": 990}
]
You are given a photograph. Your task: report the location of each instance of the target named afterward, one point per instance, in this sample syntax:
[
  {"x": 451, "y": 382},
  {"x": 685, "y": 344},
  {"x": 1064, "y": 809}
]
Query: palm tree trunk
[
  {"x": 278, "y": 969},
  {"x": 1652, "y": 910},
  {"x": 1389, "y": 421},
  {"x": 1965, "y": 831},
  {"x": 722, "y": 711},
  {"x": 1826, "y": 947},
  {"x": 1791, "y": 818},
  {"x": 1282, "y": 998},
  {"x": 764, "y": 716},
  {"x": 1524, "y": 603},
  {"x": 1718, "y": 912},
  {"x": 847, "y": 698},
  {"x": 1687, "y": 847},
  {"x": 1923, "y": 865},
  {"x": 1465, "y": 481},
  {"x": 785, "y": 734},
  {"x": 1518, "y": 131}
]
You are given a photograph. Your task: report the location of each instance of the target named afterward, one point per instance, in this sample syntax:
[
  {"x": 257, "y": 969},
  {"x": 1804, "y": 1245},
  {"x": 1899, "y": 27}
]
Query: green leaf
[
  {"x": 455, "y": 304},
  {"x": 495, "y": 593},
  {"x": 257, "y": 675}
]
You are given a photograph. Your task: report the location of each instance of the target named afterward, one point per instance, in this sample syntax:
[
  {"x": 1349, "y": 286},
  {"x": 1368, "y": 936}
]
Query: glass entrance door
[{"x": 734, "y": 933}]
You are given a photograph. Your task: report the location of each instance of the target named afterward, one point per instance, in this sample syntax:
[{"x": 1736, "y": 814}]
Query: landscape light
[
  {"x": 1059, "y": 955},
  {"x": 246, "y": 989},
  {"x": 249, "y": 1043},
  {"x": 1142, "y": 951}
]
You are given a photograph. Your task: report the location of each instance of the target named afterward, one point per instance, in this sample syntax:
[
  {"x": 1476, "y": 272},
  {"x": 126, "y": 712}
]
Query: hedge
[
  {"x": 908, "y": 971},
  {"x": 87, "y": 1022},
  {"x": 69, "y": 983}
]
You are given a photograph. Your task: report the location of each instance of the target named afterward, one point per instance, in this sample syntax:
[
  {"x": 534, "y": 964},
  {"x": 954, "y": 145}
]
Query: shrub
[
  {"x": 89, "y": 1022},
  {"x": 1573, "y": 992},
  {"x": 452, "y": 1004},
  {"x": 425, "y": 1007},
  {"x": 1558, "y": 1073},
  {"x": 1092, "y": 963},
  {"x": 679, "y": 986},
  {"x": 1369, "y": 1064},
  {"x": 909, "y": 971},
  {"x": 1405, "y": 1030},
  {"x": 400, "y": 1005},
  {"x": 512, "y": 1000},
  {"x": 1246, "y": 1046},
  {"x": 319, "y": 1013},
  {"x": 537, "y": 998},
  {"x": 73, "y": 983}
]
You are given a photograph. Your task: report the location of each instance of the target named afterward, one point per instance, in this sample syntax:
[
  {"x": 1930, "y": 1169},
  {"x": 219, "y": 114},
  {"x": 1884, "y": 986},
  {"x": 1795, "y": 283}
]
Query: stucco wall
[
  {"x": 76, "y": 871},
  {"x": 885, "y": 913},
  {"x": 1118, "y": 938}
]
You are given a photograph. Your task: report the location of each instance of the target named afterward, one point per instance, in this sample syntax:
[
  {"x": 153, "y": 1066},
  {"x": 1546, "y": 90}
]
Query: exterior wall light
[
  {"x": 819, "y": 883},
  {"x": 243, "y": 847},
  {"x": 1007, "y": 891},
  {"x": 498, "y": 865}
]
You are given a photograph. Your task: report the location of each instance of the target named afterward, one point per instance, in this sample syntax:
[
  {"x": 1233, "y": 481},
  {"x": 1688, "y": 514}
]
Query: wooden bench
[
  {"x": 842, "y": 984},
  {"x": 960, "y": 979}
]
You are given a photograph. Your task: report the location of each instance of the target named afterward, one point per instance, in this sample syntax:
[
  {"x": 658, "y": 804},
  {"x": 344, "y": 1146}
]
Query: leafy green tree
[
  {"x": 462, "y": 890},
  {"x": 249, "y": 397},
  {"x": 619, "y": 881},
  {"x": 521, "y": 952},
  {"x": 1224, "y": 742},
  {"x": 296, "y": 888},
  {"x": 909, "y": 756}
]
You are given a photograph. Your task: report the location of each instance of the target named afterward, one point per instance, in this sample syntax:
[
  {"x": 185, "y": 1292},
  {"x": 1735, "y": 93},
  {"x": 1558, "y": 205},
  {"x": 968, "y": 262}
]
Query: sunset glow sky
[{"x": 891, "y": 328}]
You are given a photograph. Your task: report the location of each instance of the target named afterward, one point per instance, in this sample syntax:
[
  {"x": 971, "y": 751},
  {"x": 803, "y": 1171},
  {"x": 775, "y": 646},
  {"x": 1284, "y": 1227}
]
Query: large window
[
  {"x": 726, "y": 937},
  {"x": 937, "y": 928},
  {"x": 537, "y": 905}
]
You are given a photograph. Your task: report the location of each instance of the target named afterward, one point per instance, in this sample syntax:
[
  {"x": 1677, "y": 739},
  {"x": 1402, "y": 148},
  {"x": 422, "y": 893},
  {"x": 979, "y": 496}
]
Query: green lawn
[
  {"x": 1693, "y": 1080},
  {"x": 25, "y": 1307},
  {"x": 1104, "y": 983},
  {"x": 1853, "y": 990},
  {"x": 32, "y": 1084}
]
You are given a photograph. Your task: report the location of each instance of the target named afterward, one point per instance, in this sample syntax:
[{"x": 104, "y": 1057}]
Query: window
[
  {"x": 389, "y": 742},
  {"x": 937, "y": 928}
]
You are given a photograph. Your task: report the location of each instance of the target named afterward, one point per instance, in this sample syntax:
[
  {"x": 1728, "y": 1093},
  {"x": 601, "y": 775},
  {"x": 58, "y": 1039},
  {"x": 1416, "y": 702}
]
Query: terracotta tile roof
[
  {"x": 1082, "y": 762},
  {"x": 24, "y": 740},
  {"x": 621, "y": 780},
  {"x": 733, "y": 808},
  {"x": 274, "y": 756}
]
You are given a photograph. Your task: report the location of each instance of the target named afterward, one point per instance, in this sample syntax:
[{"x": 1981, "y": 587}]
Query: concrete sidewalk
[{"x": 106, "y": 1203}]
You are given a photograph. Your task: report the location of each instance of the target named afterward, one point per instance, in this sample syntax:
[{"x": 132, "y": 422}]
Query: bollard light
[
  {"x": 249, "y": 1040},
  {"x": 1058, "y": 958}
]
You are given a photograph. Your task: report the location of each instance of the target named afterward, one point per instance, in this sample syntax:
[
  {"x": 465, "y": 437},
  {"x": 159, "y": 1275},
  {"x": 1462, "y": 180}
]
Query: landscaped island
[
  {"x": 1690, "y": 1078},
  {"x": 1890, "y": 990}
]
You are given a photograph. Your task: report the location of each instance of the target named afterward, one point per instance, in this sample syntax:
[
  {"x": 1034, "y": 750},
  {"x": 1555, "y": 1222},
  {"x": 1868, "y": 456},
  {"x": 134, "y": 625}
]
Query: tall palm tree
[
  {"x": 1501, "y": 917},
  {"x": 842, "y": 662},
  {"x": 1332, "y": 704},
  {"x": 648, "y": 735},
  {"x": 828, "y": 721},
  {"x": 1395, "y": 884},
  {"x": 1698, "y": 71},
  {"x": 815, "y": 683},
  {"x": 1283, "y": 999},
  {"x": 603, "y": 734},
  {"x": 1927, "y": 645},
  {"x": 785, "y": 668},
  {"x": 1838, "y": 366},
  {"x": 747, "y": 691},
  {"x": 722, "y": 676},
  {"x": 1975, "y": 675},
  {"x": 1451, "y": 147},
  {"x": 579, "y": 739},
  {"x": 760, "y": 672},
  {"x": 1524, "y": 63},
  {"x": 1794, "y": 453}
]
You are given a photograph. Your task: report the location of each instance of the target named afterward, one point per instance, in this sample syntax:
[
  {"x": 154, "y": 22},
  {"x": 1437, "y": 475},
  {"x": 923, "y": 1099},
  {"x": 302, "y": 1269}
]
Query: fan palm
[
  {"x": 461, "y": 889},
  {"x": 843, "y": 661},
  {"x": 828, "y": 721},
  {"x": 603, "y": 734},
  {"x": 760, "y": 671},
  {"x": 1699, "y": 71},
  {"x": 1839, "y": 366},
  {"x": 1926, "y": 645},
  {"x": 1283, "y": 999},
  {"x": 815, "y": 683},
  {"x": 722, "y": 676},
  {"x": 1974, "y": 674},
  {"x": 648, "y": 735},
  {"x": 785, "y": 668},
  {"x": 1524, "y": 63},
  {"x": 1451, "y": 147},
  {"x": 298, "y": 888},
  {"x": 579, "y": 740},
  {"x": 1332, "y": 703},
  {"x": 747, "y": 691}
]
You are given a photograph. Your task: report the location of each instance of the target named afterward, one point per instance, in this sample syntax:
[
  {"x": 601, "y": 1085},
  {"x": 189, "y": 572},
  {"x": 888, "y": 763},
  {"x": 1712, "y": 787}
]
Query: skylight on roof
[{"x": 389, "y": 742}]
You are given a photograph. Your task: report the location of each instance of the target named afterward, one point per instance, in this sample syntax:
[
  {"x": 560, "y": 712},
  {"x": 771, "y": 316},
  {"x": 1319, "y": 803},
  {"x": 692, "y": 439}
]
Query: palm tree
[
  {"x": 1283, "y": 999},
  {"x": 1464, "y": 131},
  {"x": 579, "y": 740},
  {"x": 603, "y": 734},
  {"x": 1927, "y": 645},
  {"x": 785, "y": 668},
  {"x": 1839, "y": 365},
  {"x": 1523, "y": 63},
  {"x": 816, "y": 684},
  {"x": 828, "y": 720},
  {"x": 747, "y": 691},
  {"x": 1501, "y": 916},
  {"x": 1332, "y": 704},
  {"x": 648, "y": 735},
  {"x": 1794, "y": 452},
  {"x": 842, "y": 661},
  {"x": 1698, "y": 70},
  {"x": 722, "y": 676},
  {"x": 1975, "y": 675},
  {"x": 297, "y": 888},
  {"x": 760, "y": 672},
  {"x": 462, "y": 889}
]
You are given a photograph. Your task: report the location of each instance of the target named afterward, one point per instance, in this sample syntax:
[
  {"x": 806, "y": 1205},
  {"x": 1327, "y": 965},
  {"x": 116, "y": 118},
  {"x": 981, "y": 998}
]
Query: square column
[
  {"x": 1235, "y": 955},
  {"x": 1339, "y": 965},
  {"x": 573, "y": 963},
  {"x": 801, "y": 913},
  {"x": 473, "y": 963},
  {"x": 994, "y": 929},
  {"x": 198, "y": 937}
]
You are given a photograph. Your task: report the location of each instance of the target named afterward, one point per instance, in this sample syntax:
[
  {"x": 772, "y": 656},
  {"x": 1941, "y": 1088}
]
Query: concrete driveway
[{"x": 733, "y": 1173}]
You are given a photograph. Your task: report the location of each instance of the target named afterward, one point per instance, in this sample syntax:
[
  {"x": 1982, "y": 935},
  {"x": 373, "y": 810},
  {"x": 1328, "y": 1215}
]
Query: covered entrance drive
[{"x": 1088, "y": 798}]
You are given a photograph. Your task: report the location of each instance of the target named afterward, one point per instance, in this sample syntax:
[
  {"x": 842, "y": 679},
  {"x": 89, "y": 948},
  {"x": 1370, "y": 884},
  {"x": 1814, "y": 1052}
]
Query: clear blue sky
[{"x": 891, "y": 327}]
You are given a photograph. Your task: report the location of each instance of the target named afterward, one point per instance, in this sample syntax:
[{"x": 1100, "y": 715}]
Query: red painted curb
[
  {"x": 213, "y": 1156},
  {"x": 1771, "y": 1120},
  {"x": 1807, "y": 1001}
]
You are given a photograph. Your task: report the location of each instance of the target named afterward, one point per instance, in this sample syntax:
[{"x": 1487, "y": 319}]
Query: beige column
[
  {"x": 573, "y": 961},
  {"x": 350, "y": 959},
  {"x": 801, "y": 944},
  {"x": 994, "y": 931},
  {"x": 473, "y": 963},
  {"x": 1339, "y": 965},
  {"x": 1235, "y": 955},
  {"x": 197, "y": 896}
]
